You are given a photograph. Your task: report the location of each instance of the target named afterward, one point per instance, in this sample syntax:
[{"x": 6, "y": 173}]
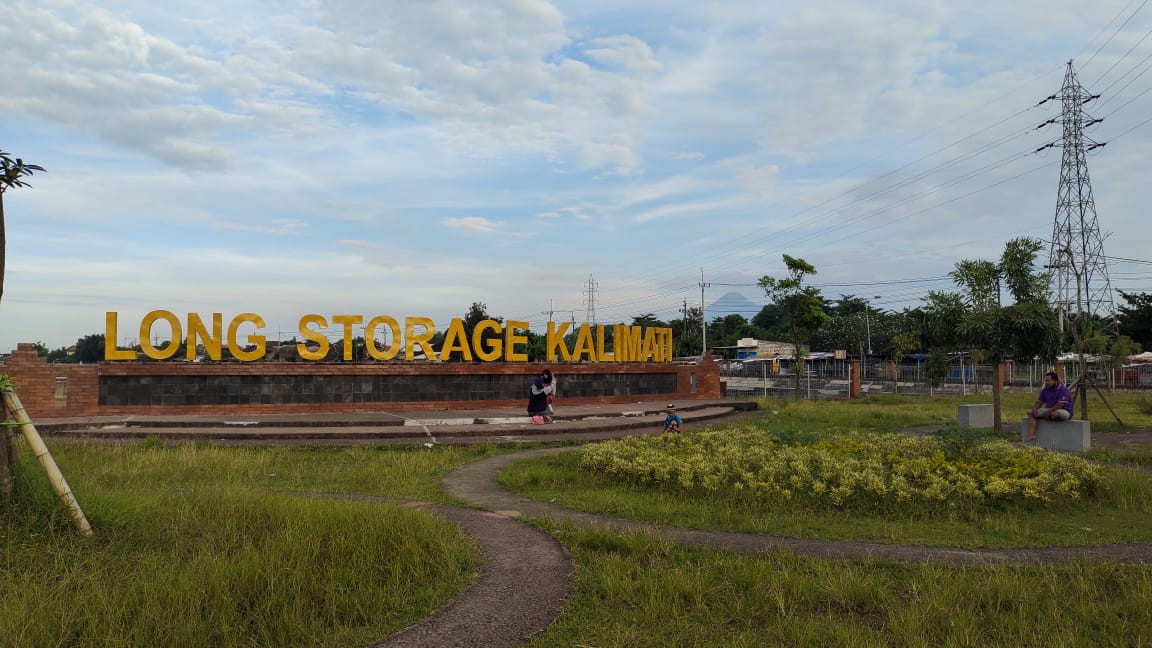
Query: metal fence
[{"x": 832, "y": 378}]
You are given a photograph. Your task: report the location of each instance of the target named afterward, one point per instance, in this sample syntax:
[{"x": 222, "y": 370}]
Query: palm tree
[{"x": 12, "y": 172}]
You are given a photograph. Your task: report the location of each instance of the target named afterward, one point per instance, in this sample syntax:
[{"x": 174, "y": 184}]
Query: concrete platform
[
  {"x": 447, "y": 426},
  {"x": 1071, "y": 436},
  {"x": 976, "y": 416}
]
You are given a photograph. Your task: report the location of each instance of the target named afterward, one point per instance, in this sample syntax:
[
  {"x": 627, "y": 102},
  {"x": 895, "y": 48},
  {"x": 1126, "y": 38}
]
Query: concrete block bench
[
  {"x": 1073, "y": 436},
  {"x": 976, "y": 416}
]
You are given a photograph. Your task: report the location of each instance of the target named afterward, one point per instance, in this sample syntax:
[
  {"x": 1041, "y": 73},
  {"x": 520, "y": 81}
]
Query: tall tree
[
  {"x": 477, "y": 312},
  {"x": 1136, "y": 317},
  {"x": 771, "y": 319},
  {"x": 802, "y": 305},
  {"x": 90, "y": 348},
  {"x": 12, "y": 174},
  {"x": 686, "y": 333},
  {"x": 1024, "y": 329}
]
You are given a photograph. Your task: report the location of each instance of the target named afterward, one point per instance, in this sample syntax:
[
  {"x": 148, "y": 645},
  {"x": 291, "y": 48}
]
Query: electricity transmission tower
[
  {"x": 1082, "y": 288},
  {"x": 590, "y": 297},
  {"x": 1077, "y": 249}
]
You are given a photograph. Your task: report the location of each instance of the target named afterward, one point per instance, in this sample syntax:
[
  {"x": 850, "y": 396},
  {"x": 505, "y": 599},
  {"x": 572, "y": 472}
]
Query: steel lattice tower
[
  {"x": 1082, "y": 287},
  {"x": 590, "y": 295}
]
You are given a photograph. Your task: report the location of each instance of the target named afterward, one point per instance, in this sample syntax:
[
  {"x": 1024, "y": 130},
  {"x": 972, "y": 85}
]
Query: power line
[{"x": 1116, "y": 31}]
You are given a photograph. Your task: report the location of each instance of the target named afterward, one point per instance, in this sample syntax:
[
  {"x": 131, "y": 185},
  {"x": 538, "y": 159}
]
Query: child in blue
[{"x": 672, "y": 422}]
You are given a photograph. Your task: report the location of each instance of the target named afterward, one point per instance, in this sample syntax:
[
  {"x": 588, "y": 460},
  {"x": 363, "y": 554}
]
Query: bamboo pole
[
  {"x": 32, "y": 437},
  {"x": 6, "y": 462}
]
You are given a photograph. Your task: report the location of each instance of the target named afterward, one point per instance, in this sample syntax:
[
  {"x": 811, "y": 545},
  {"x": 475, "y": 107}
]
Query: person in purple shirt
[{"x": 1054, "y": 403}]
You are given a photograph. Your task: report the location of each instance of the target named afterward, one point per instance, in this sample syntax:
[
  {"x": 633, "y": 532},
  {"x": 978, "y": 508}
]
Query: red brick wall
[{"x": 36, "y": 383}]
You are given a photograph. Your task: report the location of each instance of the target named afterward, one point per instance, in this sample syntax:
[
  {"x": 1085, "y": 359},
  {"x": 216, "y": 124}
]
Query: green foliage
[
  {"x": 686, "y": 333},
  {"x": 648, "y": 319},
  {"x": 772, "y": 319},
  {"x": 60, "y": 355},
  {"x": 848, "y": 471},
  {"x": 727, "y": 330},
  {"x": 1135, "y": 317},
  {"x": 958, "y": 442},
  {"x": 803, "y": 307},
  {"x": 640, "y": 590},
  {"x": 1025, "y": 329},
  {"x": 13, "y": 172},
  {"x": 1120, "y": 349},
  {"x": 90, "y": 348},
  {"x": 939, "y": 321},
  {"x": 229, "y": 568},
  {"x": 936, "y": 367}
]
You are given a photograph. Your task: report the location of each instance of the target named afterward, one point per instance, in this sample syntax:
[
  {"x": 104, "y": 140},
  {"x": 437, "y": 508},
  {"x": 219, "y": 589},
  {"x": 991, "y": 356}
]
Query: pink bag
[{"x": 538, "y": 420}]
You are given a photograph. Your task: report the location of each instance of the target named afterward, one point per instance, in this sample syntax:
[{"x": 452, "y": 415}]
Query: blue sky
[{"x": 409, "y": 158}]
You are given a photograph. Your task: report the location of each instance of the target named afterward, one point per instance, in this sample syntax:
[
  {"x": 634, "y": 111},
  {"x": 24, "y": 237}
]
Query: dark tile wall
[{"x": 167, "y": 390}]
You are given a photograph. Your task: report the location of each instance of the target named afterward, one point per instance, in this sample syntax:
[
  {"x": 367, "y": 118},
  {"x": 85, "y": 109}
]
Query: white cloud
[
  {"x": 471, "y": 224},
  {"x": 390, "y": 138},
  {"x": 624, "y": 51}
]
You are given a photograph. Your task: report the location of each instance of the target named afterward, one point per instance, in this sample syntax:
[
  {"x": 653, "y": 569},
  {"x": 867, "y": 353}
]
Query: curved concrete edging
[{"x": 477, "y": 484}]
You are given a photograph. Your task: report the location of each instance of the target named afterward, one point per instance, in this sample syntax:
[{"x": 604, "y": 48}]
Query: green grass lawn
[
  {"x": 1124, "y": 517},
  {"x": 206, "y": 546},
  {"x": 891, "y": 413},
  {"x": 196, "y": 546},
  {"x": 1122, "y": 513},
  {"x": 400, "y": 471},
  {"x": 635, "y": 590}
]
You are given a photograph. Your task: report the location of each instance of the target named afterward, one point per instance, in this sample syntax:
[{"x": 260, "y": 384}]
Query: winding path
[
  {"x": 525, "y": 577},
  {"x": 477, "y": 484}
]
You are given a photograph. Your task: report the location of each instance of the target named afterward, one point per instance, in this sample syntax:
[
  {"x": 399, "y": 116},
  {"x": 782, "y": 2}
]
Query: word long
[{"x": 489, "y": 340}]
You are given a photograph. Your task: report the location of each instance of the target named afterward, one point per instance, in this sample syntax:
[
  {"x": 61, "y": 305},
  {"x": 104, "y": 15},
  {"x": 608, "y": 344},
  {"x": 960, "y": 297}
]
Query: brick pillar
[{"x": 854, "y": 381}]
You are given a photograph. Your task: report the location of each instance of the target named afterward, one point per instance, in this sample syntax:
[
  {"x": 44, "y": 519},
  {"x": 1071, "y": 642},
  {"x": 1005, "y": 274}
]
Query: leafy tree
[
  {"x": 41, "y": 349},
  {"x": 803, "y": 307},
  {"x": 648, "y": 319},
  {"x": 90, "y": 348},
  {"x": 850, "y": 305},
  {"x": 686, "y": 333},
  {"x": 902, "y": 343},
  {"x": 1135, "y": 317},
  {"x": 60, "y": 355},
  {"x": 939, "y": 321},
  {"x": 1118, "y": 353},
  {"x": 936, "y": 368},
  {"x": 1027, "y": 328},
  {"x": 771, "y": 319},
  {"x": 726, "y": 331},
  {"x": 477, "y": 312},
  {"x": 12, "y": 174}
]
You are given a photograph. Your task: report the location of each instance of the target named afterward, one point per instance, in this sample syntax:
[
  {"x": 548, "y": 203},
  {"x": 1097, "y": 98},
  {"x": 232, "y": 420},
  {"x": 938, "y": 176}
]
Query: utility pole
[
  {"x": 684, "y": 322},
  {"x": 703, "y": 319}
]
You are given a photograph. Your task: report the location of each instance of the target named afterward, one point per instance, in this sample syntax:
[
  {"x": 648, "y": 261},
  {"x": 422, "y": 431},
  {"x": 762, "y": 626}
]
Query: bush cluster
[{"x": 846, "y": 471}]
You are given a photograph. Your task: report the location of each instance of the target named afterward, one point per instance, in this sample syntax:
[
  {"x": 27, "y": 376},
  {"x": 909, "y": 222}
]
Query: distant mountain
[{"x": 732, "y": 303}]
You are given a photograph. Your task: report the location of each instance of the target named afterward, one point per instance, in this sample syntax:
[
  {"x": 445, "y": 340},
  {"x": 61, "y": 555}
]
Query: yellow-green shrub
[{"x": 845, "y": 471}]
